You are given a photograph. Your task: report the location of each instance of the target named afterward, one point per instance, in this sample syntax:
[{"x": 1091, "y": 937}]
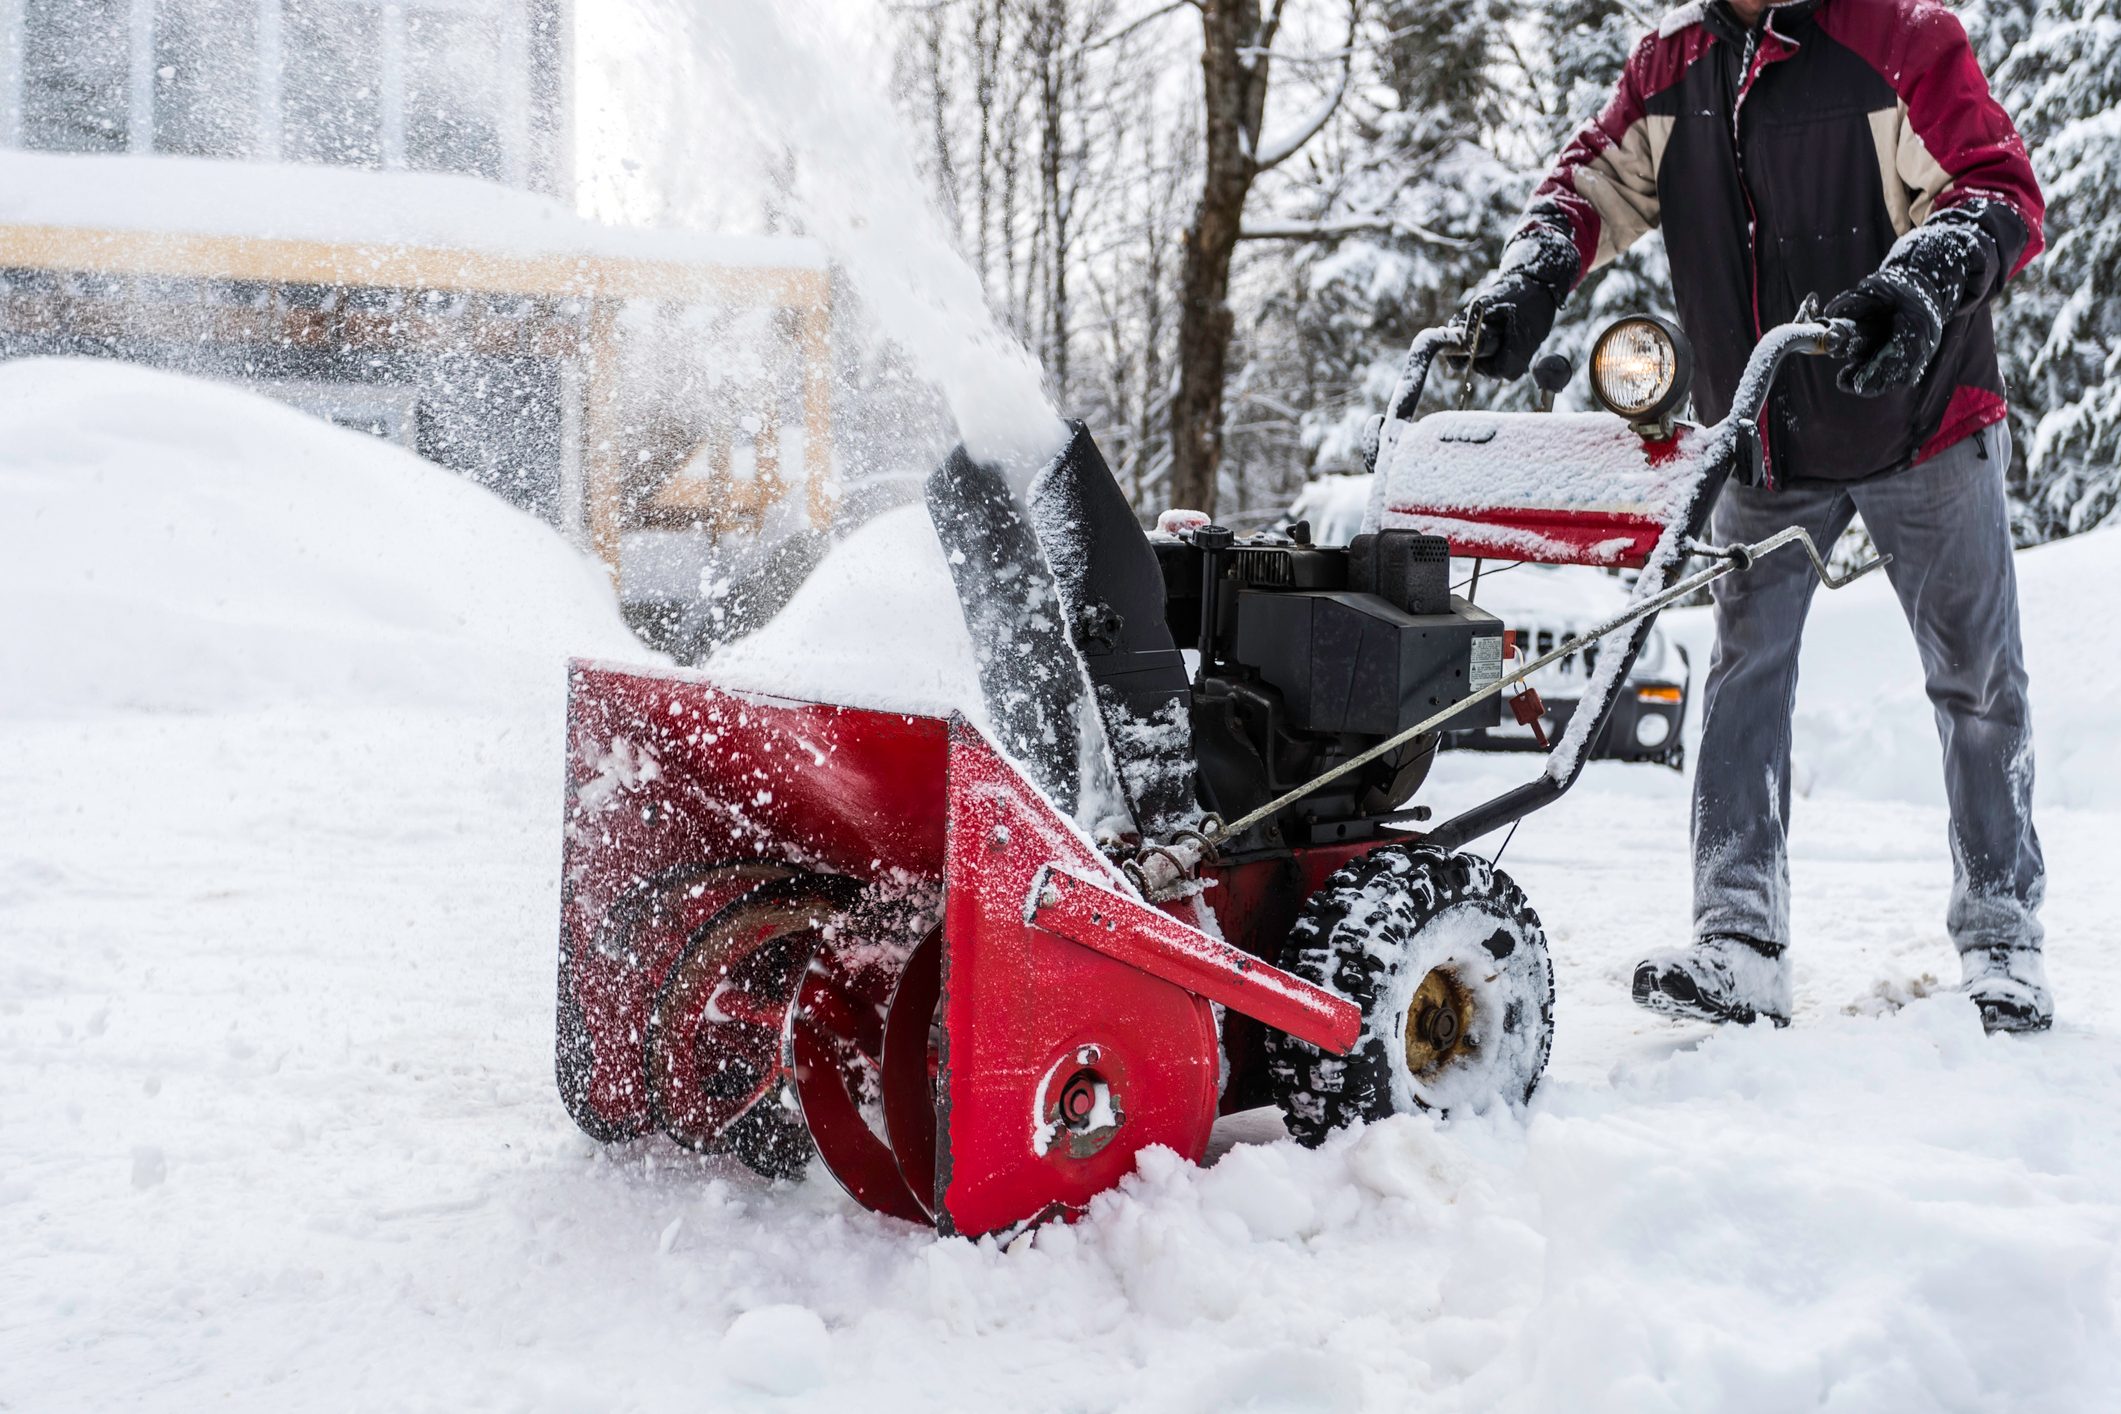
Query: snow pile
[
  {"x": 168, "y": 544},
  {"x": 281, "y": 1108},
  {"x": 276, "y": 1076},
  {"x": 876, "y": 625},
  {"x": 276, "y": 1094}
]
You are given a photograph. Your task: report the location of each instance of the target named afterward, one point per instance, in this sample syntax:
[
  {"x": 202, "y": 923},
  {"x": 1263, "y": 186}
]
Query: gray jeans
[{"x": 1945, "y": 524}]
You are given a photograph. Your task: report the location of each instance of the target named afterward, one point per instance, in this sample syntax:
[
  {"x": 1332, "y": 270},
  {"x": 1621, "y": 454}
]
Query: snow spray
[{"x": 806, "y": 81}]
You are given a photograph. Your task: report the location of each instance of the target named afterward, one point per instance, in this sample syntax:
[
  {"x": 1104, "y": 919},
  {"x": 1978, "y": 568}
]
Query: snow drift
[
  {"x": 276, "y": 1080},
  {"x": 175, "y": 545}
]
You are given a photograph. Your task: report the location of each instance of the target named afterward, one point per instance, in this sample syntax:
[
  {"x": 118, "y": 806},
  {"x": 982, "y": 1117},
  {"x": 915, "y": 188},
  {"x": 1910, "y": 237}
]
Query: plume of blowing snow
[{"x": 804, "y": 78}]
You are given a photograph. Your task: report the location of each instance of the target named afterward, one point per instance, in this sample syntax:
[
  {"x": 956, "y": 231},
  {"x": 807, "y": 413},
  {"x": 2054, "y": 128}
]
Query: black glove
[
  {"x": 1898, "y": 328},
  {"x": 1518, "y": 302},
  {"x": 1934, "y": 273}
]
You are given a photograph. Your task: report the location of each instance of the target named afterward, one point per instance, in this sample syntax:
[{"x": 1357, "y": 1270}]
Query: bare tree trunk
[
  {"x": 986, "y": 46},
  {"x": 1155, "y": 240},
  {"x": 1237, "y": 38},
  {"x": 1012, "y": 291},
  {"x": 1050, "y": 37},
  {"x": 1235, "y": 92},
  {"x": 939, "y": 114}
]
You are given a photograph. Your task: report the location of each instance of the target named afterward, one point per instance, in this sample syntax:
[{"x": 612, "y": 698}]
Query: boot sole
[
  {"x": 1652, "y": 996},
  {"x": 2009, "y": 1021}
]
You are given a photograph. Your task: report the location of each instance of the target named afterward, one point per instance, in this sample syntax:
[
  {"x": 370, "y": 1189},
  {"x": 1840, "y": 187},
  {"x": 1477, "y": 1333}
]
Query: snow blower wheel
[
  {"x": 718, "y": 1042},
  {"x": 1449, "y": 966}
]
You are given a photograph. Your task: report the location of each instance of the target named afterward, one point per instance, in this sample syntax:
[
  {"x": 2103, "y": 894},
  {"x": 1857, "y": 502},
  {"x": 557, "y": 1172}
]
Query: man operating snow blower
[{"x": 1826, "y": 146}]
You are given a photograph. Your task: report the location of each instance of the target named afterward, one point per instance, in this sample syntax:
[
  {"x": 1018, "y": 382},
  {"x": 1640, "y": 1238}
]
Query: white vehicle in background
[{"x": 1542, "y": 606}]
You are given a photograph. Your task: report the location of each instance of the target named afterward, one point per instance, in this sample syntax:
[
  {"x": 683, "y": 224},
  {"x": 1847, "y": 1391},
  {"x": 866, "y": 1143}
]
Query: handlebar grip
[
  {"x": 1486, "y": 341},
  {"x": 1834, "y": 343}
]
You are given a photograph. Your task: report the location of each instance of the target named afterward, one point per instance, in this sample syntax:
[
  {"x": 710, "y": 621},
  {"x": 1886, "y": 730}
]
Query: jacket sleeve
[
  {"x": 1602, "y": 192},
  {"x": 1950, "y": 154}
]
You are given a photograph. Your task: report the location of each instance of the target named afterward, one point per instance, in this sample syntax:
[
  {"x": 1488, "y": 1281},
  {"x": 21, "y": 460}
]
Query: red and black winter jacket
[{"x": 1786, "y": 161}]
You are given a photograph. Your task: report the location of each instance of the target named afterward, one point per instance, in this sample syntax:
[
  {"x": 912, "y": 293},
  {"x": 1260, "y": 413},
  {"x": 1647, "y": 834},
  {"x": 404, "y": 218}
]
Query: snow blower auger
[{"x": 975, "y": 970}]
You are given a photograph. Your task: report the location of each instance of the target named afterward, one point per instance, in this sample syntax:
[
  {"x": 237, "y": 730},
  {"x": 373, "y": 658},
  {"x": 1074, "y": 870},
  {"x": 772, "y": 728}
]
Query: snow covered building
[{"x": 365, "y": 208}]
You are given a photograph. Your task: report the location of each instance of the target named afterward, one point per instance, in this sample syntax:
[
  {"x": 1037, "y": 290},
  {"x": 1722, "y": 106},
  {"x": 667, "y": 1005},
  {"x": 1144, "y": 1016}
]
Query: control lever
[{"x": 1552, "y": 373}]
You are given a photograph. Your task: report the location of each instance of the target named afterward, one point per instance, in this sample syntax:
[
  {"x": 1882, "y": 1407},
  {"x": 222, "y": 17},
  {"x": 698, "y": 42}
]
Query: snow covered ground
[{"x": 278, "y": 1130}]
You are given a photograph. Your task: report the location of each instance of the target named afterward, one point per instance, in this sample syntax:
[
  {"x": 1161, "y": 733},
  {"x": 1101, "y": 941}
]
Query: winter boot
[
  {"x": 2009, "y": 984},
  {"x": 1723, "y": 977}
]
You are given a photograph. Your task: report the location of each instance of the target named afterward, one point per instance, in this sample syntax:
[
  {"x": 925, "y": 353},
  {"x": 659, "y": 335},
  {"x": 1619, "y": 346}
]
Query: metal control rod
[{"x": 1163, "y": 866}]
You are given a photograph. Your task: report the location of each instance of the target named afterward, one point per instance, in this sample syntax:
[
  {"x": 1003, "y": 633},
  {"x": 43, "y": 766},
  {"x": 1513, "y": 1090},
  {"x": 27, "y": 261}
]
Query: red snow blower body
[{"x": 977, "y": 971}]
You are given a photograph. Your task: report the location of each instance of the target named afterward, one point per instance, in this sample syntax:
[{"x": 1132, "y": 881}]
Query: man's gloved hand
[
  {"x": 1932, "y": 274},
  {"x": 1518, "y": 302},
  {"x": 1516, "y": 315},
  {"x": 1898, "y": 328}
]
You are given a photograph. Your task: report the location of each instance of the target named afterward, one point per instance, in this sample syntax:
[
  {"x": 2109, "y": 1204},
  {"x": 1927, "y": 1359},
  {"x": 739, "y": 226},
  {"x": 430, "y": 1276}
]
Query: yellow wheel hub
[{"x": 1438, "y": 1022}]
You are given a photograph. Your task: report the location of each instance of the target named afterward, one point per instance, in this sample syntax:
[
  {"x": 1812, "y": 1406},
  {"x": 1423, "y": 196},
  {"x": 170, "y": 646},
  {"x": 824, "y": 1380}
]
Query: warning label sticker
[{"x": 1486, "y": 669}]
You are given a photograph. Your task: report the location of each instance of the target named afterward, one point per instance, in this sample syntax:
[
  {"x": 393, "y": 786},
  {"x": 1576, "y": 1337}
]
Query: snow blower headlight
[{"x": 1641, "y": 368}]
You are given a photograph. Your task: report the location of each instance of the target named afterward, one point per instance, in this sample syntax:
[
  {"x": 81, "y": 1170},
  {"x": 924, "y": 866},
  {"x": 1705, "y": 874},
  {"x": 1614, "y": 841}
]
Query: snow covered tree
[
  {"x": 2056, "y": 66},
  {"x": 1582, "y": 45},
  {"x": 1420, "y": 185},
  {"x": 1395, "y": 214}
]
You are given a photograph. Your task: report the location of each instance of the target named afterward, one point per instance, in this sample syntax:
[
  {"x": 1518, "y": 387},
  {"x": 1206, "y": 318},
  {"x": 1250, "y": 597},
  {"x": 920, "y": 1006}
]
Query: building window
[
  {"x": 75, "y": 57},
  {"x": 453, "y": 93},
  {"x": 331, "y": 83},
  {"x": 467, "y": 86},
  {"x": 206, "y": 63}
]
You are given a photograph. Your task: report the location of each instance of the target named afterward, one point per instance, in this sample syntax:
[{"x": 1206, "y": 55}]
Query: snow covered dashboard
[{"x": 1559, "y": 488}]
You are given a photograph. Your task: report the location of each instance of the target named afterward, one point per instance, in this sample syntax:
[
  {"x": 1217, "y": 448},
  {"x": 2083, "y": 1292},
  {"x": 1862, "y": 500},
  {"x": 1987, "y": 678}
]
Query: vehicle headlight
[
  {"x": 1652, "y": 730},
  {"x": 1641, "y": 368}
]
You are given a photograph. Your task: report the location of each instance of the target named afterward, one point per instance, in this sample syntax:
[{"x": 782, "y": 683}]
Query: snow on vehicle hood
[{"x": 1555, "y": 594}]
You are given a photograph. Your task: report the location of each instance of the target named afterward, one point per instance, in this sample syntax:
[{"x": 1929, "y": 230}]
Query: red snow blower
[{"x": 975, "y": 970}]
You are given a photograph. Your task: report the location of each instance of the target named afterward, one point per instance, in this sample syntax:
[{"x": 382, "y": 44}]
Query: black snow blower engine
[{"x": 1307, "y": 656}]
